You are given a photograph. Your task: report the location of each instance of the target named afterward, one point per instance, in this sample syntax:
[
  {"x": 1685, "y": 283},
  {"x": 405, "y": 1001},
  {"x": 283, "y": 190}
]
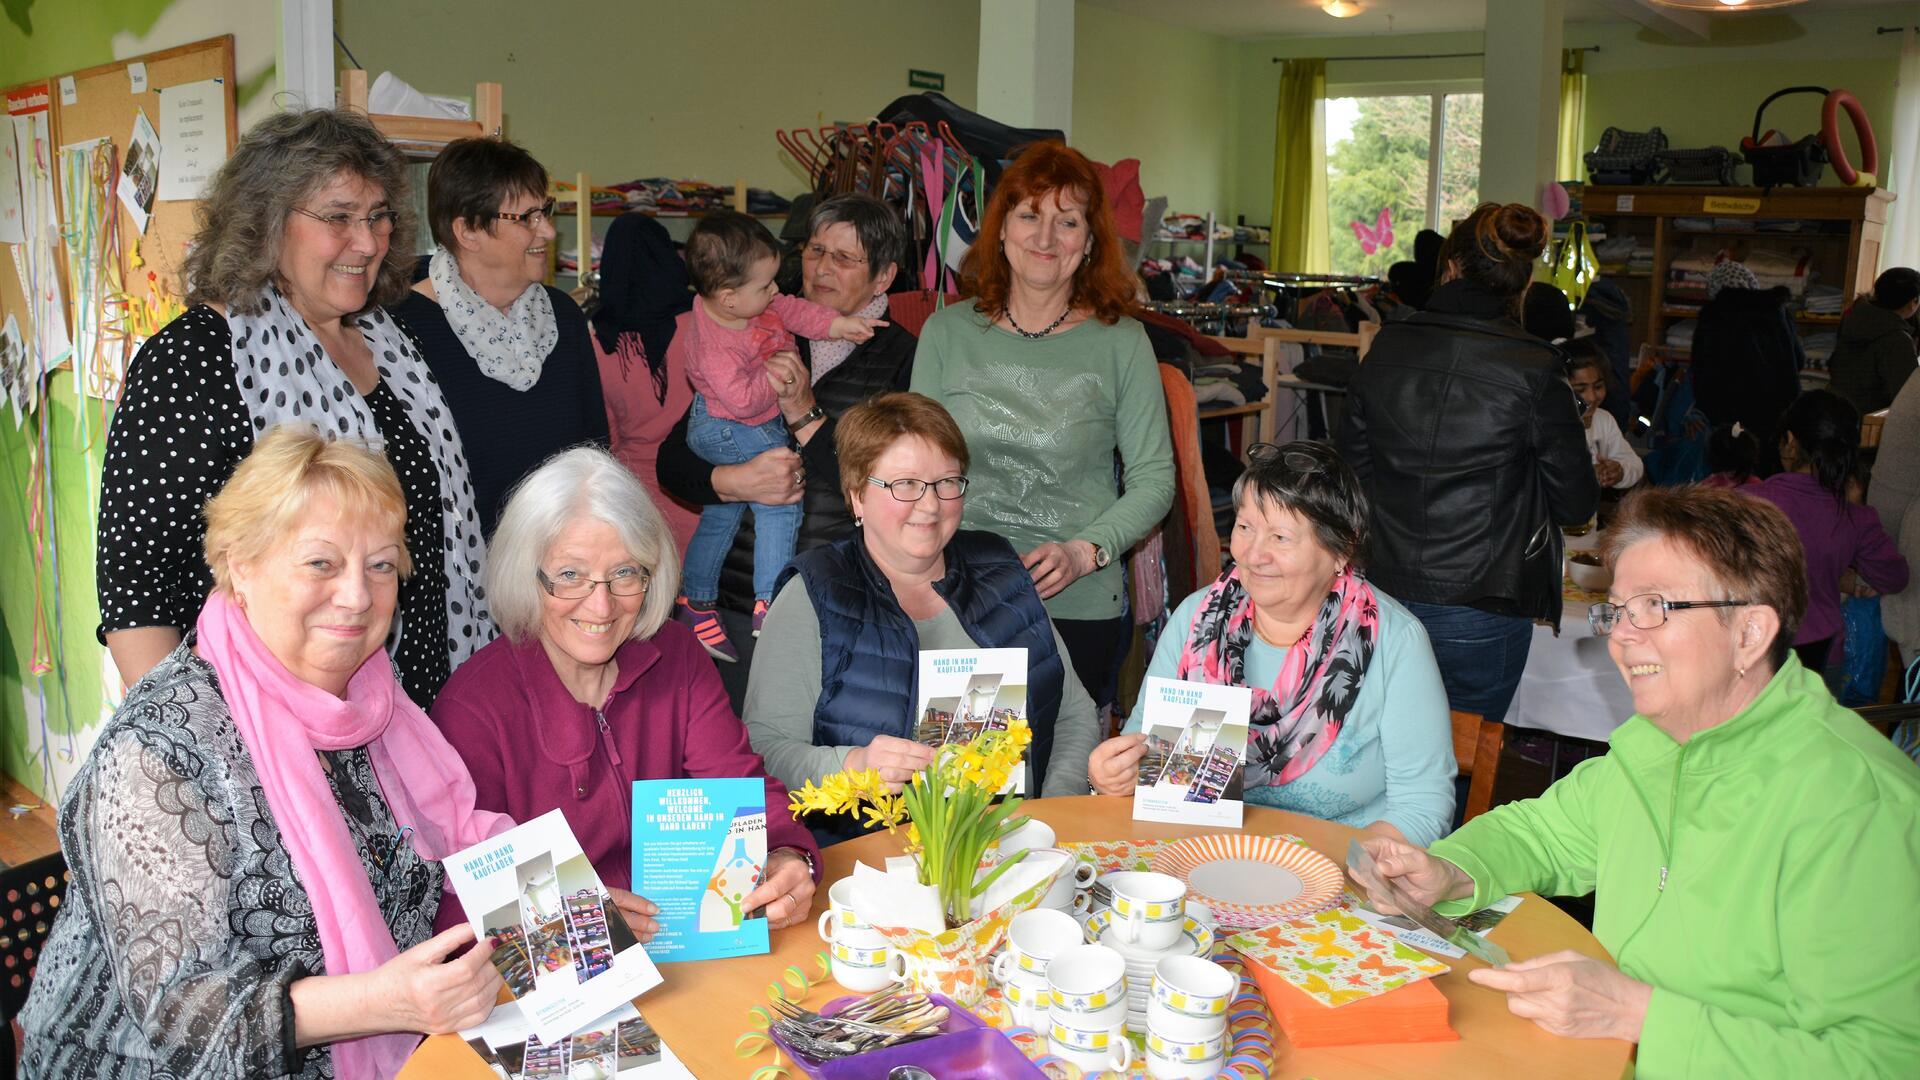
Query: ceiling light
[
  {"x": 1727, "y": 5},
  {"x": 1341, "y": 9}
]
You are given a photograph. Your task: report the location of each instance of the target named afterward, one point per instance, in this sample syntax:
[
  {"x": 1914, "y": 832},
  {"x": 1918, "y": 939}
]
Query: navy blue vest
[{"x": 987, "y": 589}]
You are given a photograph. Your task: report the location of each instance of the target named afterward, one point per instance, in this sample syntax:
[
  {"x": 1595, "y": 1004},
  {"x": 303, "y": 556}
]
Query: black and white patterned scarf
[
  {"x": 509, "y": 346},
  {"x": 286, "y": 377}
]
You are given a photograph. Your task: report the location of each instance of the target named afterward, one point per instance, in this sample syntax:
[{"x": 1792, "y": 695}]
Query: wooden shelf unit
[
  {"x": 1857, "y": 216},
  {"x": 424, "y": 136}
]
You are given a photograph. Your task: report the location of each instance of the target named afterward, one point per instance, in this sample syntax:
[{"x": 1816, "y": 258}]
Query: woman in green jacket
[
  {"x": 1049, "y": 380},
  {"x": 1753, "y": 848}
]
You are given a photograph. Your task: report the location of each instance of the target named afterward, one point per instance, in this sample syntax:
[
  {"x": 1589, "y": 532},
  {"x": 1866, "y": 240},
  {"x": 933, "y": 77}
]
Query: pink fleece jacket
[
  {"x": 729, "y": 367},
  {"x": 532, "y": 748}
]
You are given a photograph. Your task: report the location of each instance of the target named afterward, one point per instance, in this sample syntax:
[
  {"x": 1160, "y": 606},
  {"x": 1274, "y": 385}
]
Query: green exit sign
[{"x": 926, "y": 80}]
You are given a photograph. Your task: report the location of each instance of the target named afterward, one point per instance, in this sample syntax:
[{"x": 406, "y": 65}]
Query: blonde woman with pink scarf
[{"x": 255, "y": 837}]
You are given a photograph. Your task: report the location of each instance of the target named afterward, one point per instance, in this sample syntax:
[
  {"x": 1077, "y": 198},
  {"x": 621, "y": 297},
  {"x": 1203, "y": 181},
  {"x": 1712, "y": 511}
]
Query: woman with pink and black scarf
[{"x": 1350, "y": 719}]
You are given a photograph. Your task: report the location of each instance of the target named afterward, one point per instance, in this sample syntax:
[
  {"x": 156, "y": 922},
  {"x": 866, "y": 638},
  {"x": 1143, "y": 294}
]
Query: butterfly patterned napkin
[{"x": 1335, "y": 957}]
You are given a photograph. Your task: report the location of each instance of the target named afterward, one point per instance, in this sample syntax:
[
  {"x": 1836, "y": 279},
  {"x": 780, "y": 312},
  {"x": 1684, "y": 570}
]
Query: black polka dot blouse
[{"x": 179, "y": 432}]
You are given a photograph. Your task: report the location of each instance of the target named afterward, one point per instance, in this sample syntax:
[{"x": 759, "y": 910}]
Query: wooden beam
[{"x": 1682, "y": 26}]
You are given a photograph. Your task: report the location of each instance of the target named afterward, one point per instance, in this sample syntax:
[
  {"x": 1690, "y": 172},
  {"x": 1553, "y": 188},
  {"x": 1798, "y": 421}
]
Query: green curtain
[
  {"x": 1300, "y": 234},
  {"x": 1568, "y": 163}
]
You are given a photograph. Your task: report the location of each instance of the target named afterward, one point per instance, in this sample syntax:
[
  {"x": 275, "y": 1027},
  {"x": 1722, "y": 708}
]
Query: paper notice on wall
[
  {"x": 137, "y": 77},
  {"x": 13, "y": 228},
  {"x": 69, "y": 93},
  {"x": 193, "y": 128},
  {"x": 140, "y": 170},
  {"x": 46, "y": 322}
]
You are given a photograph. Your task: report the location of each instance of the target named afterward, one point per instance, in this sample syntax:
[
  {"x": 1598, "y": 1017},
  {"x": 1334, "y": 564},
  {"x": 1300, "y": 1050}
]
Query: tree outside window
[{"x": 1383, "y": 156}]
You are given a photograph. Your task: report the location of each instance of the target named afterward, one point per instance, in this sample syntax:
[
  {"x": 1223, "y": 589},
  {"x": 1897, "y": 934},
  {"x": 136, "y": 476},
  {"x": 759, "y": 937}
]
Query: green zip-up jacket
[{"x": 1764, "y": 878}]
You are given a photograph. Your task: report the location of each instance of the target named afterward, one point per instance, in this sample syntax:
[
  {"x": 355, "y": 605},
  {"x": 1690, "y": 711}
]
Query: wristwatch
[
  {"x": 815, "y": 413},
  {"x": 1100, "y": 557}
]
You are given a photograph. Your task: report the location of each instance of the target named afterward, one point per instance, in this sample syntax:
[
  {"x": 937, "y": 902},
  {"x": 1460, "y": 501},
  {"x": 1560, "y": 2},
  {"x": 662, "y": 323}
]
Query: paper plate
[{"x": 1263, "y": 876}]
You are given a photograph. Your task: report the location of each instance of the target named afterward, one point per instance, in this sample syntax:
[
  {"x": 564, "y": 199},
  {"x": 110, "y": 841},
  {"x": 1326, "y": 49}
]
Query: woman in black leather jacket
[{"x": 1468, "y": 442}]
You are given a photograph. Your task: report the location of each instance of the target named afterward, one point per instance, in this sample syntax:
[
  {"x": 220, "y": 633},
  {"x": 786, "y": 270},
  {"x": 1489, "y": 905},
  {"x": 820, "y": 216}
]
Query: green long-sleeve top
[
  {"x": 1763, "y": 878},
  {"x": 1042, "y": 420}
]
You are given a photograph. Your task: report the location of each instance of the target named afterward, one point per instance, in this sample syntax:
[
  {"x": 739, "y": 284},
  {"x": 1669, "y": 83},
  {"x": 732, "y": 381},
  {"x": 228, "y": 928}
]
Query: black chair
[{"x": 30, "y": 896}]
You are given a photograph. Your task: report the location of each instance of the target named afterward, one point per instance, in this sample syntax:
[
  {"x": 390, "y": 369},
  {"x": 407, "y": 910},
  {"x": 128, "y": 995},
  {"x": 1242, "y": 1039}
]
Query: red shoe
[
  {"x": 759, "y": 615},
  {"x": 705, "y": 624}
]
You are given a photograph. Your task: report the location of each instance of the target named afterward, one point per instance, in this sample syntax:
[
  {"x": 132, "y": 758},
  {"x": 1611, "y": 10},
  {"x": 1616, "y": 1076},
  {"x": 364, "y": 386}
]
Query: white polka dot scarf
[
  {"x": 509, "y": 346},
  {"x": 286, "y": 377}
]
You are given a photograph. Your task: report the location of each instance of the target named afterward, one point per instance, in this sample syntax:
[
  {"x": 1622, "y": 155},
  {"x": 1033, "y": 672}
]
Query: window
[{"x": 1395, "y": 165}]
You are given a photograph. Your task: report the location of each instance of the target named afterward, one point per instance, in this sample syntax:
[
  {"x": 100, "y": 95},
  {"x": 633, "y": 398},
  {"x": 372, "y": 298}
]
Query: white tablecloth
[{"x": 1570, "y": 686}]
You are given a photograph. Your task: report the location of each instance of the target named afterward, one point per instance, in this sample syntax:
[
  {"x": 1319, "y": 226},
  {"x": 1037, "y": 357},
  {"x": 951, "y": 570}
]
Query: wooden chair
[
  {"x": 1476, "y": 747},
  {"x": 1189, "y": 488},
  {"x": 1870, "y": 427},
  {"x": 31, "y": 895},
  {"x": 911, "y": 310}
]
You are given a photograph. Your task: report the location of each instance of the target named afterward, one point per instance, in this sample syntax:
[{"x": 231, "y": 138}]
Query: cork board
[
  {"x": 13, "y": 301},
  {"x": 104, "y": 106}
]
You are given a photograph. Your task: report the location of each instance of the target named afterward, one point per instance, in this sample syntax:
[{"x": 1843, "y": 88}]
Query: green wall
[
  {"x": 1159, "y": 93},
  {"x": 684, "y": 90}
]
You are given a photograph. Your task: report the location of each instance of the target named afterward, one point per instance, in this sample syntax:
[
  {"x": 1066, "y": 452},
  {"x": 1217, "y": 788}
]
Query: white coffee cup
[
  {"x": 1089, "y": 985},
  {"x": 859, "y": 970},
  {"x": 839, "y": 914},
  {"x": 1192, "y": 986},
  {"x": 1116, "y": 1055},
  {"x": 1187, "y": 1052},
  {"x": 1029, "y": 999},
  {"x": 1034, "y": 834},
  {"x": 1068, "y": 892},
  {"x": 1166, "y": 1069},
  {"x": 1149, "y": 910},
  {"x": 1034, "y": 938}
]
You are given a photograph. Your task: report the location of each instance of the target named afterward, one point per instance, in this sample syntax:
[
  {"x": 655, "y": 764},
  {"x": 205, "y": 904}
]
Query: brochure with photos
[
  {"x": 964, "y": 692},
  {"x": 1196, "y": 753},
  {"x": 556, "y": 938},
  {"x": 619, "y": 1044},
  {"x": 699, "y": 850}
]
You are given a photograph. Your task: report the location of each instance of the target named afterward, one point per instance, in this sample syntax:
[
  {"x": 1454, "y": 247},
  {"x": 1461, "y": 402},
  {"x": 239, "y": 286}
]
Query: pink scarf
[
  {"x": 1295, "y": 722},
  {"x": 282, "y": 721}
]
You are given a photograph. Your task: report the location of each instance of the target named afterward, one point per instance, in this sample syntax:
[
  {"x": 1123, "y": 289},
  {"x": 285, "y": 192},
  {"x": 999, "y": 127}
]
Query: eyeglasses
[
  {"x": 532, "y": 218},
  {"x": 816, "y": 252},
  {"x": 908, "y": 489},
  {"x": 1298, "y": 460},
  {"x": 379, "y": 223},
  {"x": 626, "y": 581},
  {"x": 1647, "y": 611}
]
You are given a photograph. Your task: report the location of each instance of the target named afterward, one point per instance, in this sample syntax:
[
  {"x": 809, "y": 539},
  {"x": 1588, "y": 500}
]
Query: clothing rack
[
  {"x": 1195, "y": 309},
  {"x": 1283, "y": 279}
]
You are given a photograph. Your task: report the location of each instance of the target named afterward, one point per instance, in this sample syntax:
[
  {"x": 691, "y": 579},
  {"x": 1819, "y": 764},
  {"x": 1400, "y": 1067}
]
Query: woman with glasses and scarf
[
  {"x": 1350, "y": 719},
  {"x": 1749, "y": 843},
  {"x": 833, "y": 686},
  {"x": 305, "y": 233},
  {"x": 512, "y": 354}
]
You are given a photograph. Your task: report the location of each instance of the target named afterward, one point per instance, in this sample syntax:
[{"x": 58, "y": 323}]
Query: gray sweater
[{"x": 785, "y": 685}]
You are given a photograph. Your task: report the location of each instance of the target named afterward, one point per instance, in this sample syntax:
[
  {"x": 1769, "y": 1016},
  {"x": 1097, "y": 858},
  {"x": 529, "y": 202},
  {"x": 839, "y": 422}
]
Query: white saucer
[{"x": 1194, "y": 940}]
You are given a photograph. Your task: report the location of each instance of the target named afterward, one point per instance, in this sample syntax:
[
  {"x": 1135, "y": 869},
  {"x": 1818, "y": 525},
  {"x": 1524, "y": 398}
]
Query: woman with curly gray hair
[{"x": 305, "y": 234}]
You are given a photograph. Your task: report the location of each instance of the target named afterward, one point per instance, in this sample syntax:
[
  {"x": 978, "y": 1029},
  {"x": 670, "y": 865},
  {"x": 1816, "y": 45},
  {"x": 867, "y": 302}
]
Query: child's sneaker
[
  {"x": 759, "y": 615},
  {"x": 705, "y": 624}
]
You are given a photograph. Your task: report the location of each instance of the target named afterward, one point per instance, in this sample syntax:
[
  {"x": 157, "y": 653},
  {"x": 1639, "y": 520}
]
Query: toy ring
[{"x": 1862, "y": 132}]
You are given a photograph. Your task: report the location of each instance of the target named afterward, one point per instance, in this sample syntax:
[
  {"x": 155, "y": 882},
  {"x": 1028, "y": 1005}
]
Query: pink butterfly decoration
[{"x": 1377, "y": 237}]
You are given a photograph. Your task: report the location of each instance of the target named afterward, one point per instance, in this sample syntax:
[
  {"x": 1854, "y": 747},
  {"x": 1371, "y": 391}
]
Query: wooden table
[{"x": 702, "y": 1006}]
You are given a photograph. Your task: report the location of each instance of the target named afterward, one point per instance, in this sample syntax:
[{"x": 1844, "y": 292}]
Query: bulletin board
[
  {"x": 104, "y": 106},
  {"x": 99, "y": 102}
]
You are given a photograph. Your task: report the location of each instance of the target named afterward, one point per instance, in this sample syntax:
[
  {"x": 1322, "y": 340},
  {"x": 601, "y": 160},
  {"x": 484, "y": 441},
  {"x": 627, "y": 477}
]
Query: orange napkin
[{"x": 1416, "y": 1012}]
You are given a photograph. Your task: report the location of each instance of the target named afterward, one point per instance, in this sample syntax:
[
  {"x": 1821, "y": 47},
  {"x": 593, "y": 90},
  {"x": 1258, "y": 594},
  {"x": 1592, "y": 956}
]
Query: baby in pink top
[{"x": 738, "y": 321}]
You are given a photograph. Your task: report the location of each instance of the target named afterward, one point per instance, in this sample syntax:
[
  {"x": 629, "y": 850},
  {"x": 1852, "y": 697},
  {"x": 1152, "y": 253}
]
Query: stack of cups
[
  {"x": 1187, "y": 1018},
  {"x": 856, "y": 952},
  {"x": 1087, "y": 1020},
  {"x": 1034, "y": 938}
]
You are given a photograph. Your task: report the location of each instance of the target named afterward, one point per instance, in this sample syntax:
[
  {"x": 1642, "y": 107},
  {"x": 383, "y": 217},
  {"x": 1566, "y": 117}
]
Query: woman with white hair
[{"x": 591, "y": 686}]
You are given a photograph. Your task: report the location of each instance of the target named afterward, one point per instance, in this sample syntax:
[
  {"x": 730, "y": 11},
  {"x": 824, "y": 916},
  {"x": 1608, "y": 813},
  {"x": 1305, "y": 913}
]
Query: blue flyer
[{"x": 699, "y": 849}]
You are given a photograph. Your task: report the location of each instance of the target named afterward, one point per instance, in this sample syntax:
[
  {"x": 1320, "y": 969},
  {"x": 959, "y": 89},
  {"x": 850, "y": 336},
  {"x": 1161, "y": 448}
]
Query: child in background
[
  {"x": 1819, "y": 442},
  {"x": 1615, "y": 464},
  {"x": 1733, "y": 456},
  {"x": 739, "y": 320}
]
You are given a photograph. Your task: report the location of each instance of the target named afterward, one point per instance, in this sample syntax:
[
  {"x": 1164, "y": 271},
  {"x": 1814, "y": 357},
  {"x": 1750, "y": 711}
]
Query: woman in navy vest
[{"x": 833, "y": 680}]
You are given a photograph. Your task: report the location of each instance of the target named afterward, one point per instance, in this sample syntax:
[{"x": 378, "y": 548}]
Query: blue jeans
[
  {"x": 775, "y": 528},
  {"x": 1481, "y": 655}
]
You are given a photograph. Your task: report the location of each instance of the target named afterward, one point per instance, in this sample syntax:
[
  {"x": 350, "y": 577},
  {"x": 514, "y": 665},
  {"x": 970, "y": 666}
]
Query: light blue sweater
[{"x": 1393, "y": 760}]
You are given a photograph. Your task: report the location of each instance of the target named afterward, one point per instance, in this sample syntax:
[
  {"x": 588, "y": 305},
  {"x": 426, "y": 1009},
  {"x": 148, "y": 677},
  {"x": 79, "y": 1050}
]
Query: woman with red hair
[{"x": 1049, "y": 380}]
